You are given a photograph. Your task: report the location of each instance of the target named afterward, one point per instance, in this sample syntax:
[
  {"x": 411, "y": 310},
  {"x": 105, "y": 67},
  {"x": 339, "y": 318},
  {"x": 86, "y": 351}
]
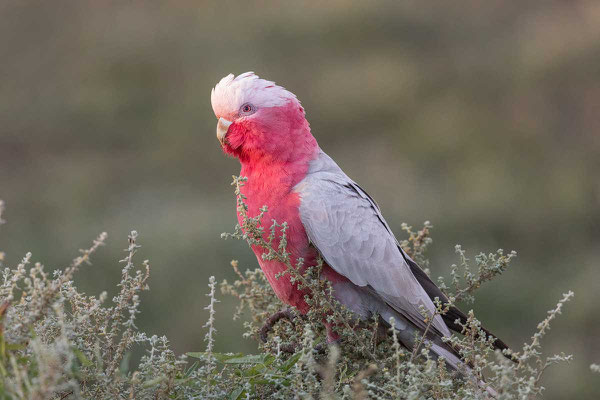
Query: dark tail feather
[{"x": 454, "y": 313}]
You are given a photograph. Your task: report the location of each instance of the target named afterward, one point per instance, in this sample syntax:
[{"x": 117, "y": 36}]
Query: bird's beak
[{"x": 222, "y": 127}]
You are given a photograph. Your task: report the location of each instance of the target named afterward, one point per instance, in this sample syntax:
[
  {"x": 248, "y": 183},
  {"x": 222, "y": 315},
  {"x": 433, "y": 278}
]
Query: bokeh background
[{"x": 482, "y": 117}]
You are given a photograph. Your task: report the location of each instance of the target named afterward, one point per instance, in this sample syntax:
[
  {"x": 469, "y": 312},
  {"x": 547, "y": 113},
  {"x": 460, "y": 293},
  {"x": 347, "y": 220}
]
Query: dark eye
[{"x": 247, "y": 109}]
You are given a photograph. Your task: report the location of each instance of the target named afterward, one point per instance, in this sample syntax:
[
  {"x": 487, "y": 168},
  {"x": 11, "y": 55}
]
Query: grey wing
[{"x": 347, "y": 228}]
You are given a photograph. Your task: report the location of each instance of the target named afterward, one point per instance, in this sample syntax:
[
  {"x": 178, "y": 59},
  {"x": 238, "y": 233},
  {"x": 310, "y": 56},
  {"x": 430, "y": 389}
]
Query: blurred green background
[{"x": 483, "y": 117}]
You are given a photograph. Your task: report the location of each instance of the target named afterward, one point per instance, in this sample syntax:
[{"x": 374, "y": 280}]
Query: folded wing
[{"x": 345, "y": 225}]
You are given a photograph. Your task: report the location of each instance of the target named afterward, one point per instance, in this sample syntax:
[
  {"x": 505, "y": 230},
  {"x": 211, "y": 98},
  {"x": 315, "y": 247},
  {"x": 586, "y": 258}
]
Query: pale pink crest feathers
[{"x": 232, "y": 92}]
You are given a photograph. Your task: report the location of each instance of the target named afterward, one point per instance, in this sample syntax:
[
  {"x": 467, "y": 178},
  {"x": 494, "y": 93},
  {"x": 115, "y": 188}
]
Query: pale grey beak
[{"x": 222, "y": 127}]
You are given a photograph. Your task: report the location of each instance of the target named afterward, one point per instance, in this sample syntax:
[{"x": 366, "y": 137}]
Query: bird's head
[{"x": 258, "y": 120}]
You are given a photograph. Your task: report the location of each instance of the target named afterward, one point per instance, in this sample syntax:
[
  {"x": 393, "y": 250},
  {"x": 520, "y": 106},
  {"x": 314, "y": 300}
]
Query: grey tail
[{"x": 454, "y": 313}]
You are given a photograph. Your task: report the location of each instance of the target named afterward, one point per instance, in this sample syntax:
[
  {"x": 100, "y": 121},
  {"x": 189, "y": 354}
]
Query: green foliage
[
  {"x": 368, "y": 364},
  {"x": 58, "y": 343},
  {"x": 480, "y": 118}
]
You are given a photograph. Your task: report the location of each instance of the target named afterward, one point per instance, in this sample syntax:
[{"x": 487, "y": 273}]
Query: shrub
[{"x": 57, "y": 343}]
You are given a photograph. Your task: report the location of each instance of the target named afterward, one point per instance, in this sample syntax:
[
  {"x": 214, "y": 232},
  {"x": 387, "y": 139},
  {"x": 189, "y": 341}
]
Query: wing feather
[{"x": 347, "y": 228}]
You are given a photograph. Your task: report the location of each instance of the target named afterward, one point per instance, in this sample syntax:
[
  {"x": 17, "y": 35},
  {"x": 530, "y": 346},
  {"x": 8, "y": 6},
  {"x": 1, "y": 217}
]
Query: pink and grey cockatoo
[{"x": 264, "y": 126}]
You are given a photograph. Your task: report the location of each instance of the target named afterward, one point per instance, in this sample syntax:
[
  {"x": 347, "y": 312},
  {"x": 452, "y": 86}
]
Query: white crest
[{"x": 232, "y": 92}]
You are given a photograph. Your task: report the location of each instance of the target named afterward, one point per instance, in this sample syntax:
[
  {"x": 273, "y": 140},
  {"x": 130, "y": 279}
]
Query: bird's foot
[
  {"x": 273, "y": 319},
  {"x": 291, "y": 348},
  {"x": 288, "y": 314},
  {"x": 321, "y": 348}
]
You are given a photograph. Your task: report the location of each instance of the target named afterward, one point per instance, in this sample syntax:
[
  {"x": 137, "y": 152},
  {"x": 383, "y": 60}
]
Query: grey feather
[{"x": 347, "y": 228}]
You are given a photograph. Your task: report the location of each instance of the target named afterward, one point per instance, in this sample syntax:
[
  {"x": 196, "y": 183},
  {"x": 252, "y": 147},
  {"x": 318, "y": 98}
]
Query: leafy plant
[{"x": 58, "y": 343}]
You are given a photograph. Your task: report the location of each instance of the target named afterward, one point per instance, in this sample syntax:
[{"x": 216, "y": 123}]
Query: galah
[{"x": 328, "y": 214}]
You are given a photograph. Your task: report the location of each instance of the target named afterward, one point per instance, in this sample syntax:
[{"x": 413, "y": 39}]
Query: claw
[
  {"x": 291, "y": 348},
  {"x": 273, "y": 319}
]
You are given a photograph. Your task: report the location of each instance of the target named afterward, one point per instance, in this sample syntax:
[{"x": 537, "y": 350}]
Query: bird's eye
[{"x": 247, "y": 109}]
